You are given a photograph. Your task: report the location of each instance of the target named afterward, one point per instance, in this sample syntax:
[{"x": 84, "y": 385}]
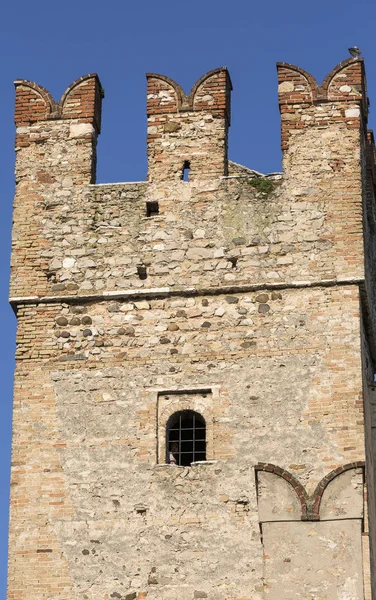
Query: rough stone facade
[{"x": 247, "y": 299}]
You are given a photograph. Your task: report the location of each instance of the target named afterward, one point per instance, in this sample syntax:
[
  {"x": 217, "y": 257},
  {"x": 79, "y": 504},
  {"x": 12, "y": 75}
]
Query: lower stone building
[{"x": 193, "y": 404}]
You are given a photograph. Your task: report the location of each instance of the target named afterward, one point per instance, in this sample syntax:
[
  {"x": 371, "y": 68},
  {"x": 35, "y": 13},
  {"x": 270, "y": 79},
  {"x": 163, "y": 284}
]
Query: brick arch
[
  {"x": 180, "y": 95},
  {"x": 211, "y": 93},
  {"x": 297, "y": 76},
  {"x": 295, "y": 484},
  {"x": 33, "y": 102},
  {"x": 75, "y": 83},
  {"x": 355, "y": 70},
  {"x": 82, "y": 100},
  {"x": 177, "y": 405},
  {"x": 315, "y": 500},
  {"x": 310, "y": 504},
  {"x": 201, "y": 82}
]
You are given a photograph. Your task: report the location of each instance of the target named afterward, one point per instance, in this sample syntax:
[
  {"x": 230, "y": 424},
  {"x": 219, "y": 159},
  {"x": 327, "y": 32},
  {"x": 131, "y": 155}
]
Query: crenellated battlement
[{"x": 291, "y": 229}]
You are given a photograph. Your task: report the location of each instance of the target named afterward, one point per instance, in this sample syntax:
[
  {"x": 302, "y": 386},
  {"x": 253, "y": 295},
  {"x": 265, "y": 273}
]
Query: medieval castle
[{"x": 194, "y": 406}]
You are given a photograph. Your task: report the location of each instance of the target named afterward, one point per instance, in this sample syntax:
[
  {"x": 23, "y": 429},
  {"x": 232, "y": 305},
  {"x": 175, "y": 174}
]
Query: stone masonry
[{"x": 245, "y": 298}]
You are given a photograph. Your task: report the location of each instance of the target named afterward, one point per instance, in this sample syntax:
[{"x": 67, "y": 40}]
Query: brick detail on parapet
[
  {"x": 298, "y": 92},
  {"x": 188, "y": 131},
  {"x": 215, "y": 83},
  {"x": 82, "y": 100},
  {"x": 310, "y": 504}
]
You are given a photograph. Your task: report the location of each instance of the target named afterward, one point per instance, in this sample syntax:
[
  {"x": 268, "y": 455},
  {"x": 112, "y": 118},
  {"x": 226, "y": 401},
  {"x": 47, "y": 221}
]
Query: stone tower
[{"x": 195, "y": 353}]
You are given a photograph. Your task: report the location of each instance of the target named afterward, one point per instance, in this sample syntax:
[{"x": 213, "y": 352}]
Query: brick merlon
[
  {"x": 81, "y": 100},
  {"x": 215, "y": 84},
  {"x": 346, "y": 82}
]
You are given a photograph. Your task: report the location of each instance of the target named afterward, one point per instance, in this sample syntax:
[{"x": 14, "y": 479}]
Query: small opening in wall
[
  {"x": 141, "y": 510},
  {"x": 142, "y": 272},
  {"x": 234, "y": 261},
  {"x": 51, "y": 276},
  {"x": 152, "y": 208},
  {"x": 185, "y": 171}
]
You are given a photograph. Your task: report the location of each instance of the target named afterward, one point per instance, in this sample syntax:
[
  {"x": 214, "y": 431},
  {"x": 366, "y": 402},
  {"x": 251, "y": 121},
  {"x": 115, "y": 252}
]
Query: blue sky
[{"x": 55, "y": 43}]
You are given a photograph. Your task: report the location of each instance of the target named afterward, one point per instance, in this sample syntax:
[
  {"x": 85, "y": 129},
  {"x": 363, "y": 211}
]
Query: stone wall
[
  {"x": 94, "y": 466},
  {"x": 223, "y": 232},
  {"x": 239, "y": 296}
]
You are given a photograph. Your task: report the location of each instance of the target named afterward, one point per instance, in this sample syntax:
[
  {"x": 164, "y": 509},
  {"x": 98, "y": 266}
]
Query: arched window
[{"x": 186, "y": 438}]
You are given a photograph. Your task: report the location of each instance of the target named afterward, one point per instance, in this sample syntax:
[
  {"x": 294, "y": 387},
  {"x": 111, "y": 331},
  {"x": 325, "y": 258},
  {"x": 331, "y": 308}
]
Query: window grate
[{"x": 186, "y": 438}]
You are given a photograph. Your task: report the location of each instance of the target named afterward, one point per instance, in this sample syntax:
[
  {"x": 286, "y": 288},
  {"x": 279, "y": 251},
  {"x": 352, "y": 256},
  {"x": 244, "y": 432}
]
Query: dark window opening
[
  {"x": 234, "y": 261},
  {"x": 185, "y": 171},
  {"x": 142, "y": 272},
  {"x": 152, "y": 208},
  {"x": 186, "y": 438},
  {"x": 51, "y": 276}
]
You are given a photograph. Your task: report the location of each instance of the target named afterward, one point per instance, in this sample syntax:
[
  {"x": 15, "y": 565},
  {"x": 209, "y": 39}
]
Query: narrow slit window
[
  {"x": 142, "y": 272},
  {"x": 152, "y": 208},
  {"x": 186, "y": 169},
  {"x": 186, "y": 438}
]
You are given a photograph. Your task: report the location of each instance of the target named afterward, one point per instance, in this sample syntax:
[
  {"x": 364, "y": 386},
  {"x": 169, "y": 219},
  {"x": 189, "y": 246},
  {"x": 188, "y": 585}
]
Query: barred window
[{"x": 186, "y": 438}]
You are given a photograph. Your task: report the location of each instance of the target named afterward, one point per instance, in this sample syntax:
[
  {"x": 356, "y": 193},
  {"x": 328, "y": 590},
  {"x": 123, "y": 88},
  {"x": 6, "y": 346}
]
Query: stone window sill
[{"x": 194, "y": 464}]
